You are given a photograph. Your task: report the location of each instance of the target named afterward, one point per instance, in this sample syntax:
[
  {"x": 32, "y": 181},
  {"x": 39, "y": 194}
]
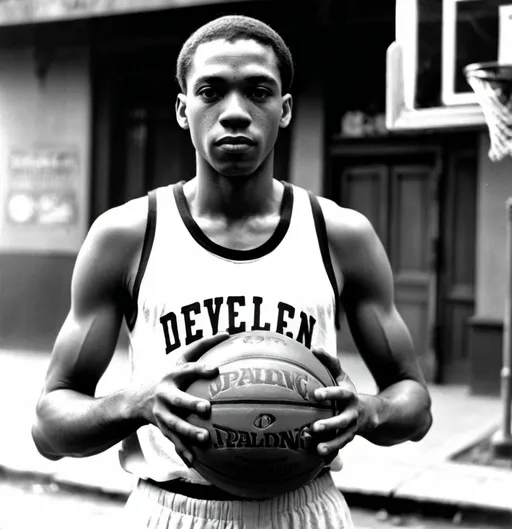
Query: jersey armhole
[
  {"x": 321, "y": 232},
  {"x": 149, "y": 237}
]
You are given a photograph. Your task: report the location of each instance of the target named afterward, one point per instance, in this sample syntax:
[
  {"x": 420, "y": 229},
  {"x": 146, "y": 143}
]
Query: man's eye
[
  {"x": 259, "y": 93},
  {"x": 208, "y": 93}
]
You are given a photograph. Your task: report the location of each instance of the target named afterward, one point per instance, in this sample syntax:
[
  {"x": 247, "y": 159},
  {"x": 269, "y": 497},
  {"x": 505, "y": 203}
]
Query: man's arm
[
  {"x": 401, "y": 409},
  {"x": 70, "y": 421}
]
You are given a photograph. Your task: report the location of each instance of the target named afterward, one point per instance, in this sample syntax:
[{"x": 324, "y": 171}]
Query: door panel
[
  {"x": 365, "y": 189},
  {"x": 414, "y": 230},
  {"x": 456, "y": 292},
  {"x": 410, "y": 220}
]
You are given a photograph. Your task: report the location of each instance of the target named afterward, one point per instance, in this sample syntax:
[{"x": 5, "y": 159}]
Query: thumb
[
  {"x": 194, "y": 351},
  {"x": 332, "y": 363}
]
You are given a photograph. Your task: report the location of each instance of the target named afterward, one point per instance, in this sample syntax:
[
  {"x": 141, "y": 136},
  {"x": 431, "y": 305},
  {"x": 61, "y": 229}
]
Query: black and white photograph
[{"x": 255, "y": 264}]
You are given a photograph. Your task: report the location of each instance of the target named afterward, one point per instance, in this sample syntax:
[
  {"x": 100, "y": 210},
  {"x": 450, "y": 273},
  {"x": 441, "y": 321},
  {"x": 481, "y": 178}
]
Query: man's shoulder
[
  {"x": 121, "y": 227},
  {"x": 352, "y": 239},
  {"x": 345, "y": 225},
  {"x": 111, "y": 249}
]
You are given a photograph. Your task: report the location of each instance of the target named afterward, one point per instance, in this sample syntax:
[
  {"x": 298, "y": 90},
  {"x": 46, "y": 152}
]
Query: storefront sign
[
  {"x": 43, "y": 200},
  {"x": 41, "y": 191},
  {"x": 26, "y": 11}
]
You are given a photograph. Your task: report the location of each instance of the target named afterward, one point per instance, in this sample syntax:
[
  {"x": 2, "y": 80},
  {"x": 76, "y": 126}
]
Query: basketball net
[{"x": 492, "y": 85}]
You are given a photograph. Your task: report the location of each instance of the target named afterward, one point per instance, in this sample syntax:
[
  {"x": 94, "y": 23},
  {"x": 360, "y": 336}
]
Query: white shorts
[{"x": 318, "y": 505}]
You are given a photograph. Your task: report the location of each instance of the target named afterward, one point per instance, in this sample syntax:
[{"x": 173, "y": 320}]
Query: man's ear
[
  {"x": 286, "y": 114},
  {"x": 181, "y": 111}
]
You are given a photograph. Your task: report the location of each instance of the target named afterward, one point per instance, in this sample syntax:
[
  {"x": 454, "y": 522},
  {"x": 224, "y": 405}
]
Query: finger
[
  {"x": 344, "y": 421},
  {"x": 329, "y": 458},
  {"x": 337, "y": 393},
  {"x": 185, "y": 374},
  {"x": 345, "y": 382},
  {"x": 181, "y": 448},
  {"x": 194, "y": 351},
  {"x": 182, "y": 400},
  {"x": 336, "y": 444},
  {"x": 335, "y": 462},
  {"x": 171, "y": 423},
  {"x": 330, "y": 362}
]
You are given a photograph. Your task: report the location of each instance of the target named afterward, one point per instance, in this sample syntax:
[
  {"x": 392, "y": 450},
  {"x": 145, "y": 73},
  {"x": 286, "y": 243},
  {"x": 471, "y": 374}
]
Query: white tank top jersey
[{"x": 188, "y": 287}]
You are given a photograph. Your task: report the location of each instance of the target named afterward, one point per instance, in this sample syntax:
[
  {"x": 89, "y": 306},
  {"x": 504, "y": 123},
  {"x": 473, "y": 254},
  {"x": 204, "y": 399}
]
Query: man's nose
[{"x": 235, "y": 113}]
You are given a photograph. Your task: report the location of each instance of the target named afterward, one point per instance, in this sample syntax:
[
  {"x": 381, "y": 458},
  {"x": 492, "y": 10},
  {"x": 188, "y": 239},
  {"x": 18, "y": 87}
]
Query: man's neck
[{"x": 235, "y": 197}]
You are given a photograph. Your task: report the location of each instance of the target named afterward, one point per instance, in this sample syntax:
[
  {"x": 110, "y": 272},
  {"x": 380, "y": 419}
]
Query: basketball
[{"x": 262, "y": 402}]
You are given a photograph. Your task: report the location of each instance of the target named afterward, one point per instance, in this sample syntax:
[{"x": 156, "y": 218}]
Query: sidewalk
[{"x": 420, "y": 471}]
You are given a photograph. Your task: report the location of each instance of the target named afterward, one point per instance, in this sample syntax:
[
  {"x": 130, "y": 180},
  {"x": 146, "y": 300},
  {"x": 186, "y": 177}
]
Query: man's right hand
[{"x": 165, "y": 403}]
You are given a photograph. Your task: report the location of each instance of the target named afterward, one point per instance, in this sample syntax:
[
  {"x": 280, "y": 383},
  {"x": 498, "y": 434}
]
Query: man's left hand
[{"x": 342, "y": 428}]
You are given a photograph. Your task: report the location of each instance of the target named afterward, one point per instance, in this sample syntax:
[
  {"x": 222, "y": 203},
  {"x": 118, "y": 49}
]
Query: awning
[{"x": 32, "y": 11}]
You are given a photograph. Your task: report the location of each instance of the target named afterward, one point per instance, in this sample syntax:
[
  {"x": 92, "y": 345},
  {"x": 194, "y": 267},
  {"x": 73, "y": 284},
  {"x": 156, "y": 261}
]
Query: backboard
[{"x": 435, "y": 39}]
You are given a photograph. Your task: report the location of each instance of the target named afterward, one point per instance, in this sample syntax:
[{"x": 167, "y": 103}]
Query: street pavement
[{"x": 26, "y": 503}]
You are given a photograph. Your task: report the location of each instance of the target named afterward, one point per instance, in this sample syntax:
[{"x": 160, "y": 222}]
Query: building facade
[{"x": 87, "y": 121}]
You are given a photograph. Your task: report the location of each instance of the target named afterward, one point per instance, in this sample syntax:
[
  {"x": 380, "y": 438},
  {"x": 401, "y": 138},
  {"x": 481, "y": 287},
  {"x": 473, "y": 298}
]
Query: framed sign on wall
[{"x": 42, "y": 200}]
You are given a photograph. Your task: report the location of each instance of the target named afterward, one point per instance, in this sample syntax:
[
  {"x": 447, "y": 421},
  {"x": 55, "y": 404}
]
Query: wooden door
[{"x": 400, "y": 199}]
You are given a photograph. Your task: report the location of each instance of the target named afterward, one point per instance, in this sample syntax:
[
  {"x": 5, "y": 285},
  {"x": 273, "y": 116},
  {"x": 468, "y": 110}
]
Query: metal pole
[{"x": 502, "y": 441}]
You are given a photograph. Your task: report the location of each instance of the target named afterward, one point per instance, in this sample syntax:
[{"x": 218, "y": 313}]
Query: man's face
[{"x": 233, "y": 105}]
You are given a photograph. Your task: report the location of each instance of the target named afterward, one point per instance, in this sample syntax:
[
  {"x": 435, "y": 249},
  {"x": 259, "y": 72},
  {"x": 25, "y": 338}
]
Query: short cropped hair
[{"x": 233, "y": 28}]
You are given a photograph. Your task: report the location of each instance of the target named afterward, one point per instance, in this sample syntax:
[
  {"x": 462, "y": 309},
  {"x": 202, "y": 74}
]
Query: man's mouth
[
  {"x": 235, "y": 143},
  {"x": 235, "y": 140}
]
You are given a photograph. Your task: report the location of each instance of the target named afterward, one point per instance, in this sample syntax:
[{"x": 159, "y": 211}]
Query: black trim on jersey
[
  {"x": 149, "y": 237},
  {"x": 323, "y": 241},
  {"x": 229, "y": 253}
]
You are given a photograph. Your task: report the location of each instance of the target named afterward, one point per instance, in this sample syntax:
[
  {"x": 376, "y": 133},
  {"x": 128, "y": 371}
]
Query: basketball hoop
[{"x": 492, "y": 84}]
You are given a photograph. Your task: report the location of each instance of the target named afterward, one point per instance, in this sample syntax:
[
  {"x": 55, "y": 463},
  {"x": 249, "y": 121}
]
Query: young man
[{"x": 233, "y": 249}]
